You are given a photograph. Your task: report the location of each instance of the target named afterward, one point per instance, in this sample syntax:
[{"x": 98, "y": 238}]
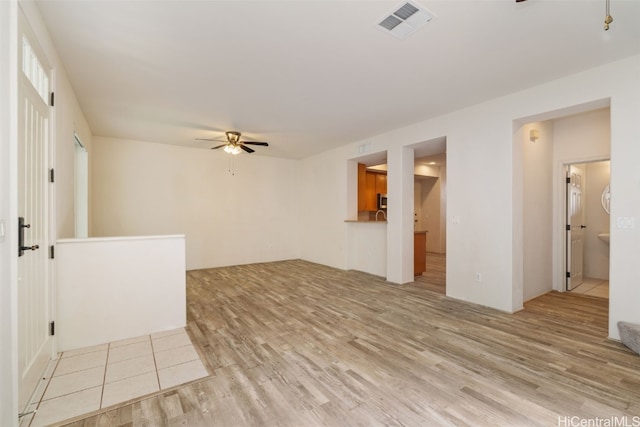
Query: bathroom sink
[{"x": 604, "y": 237}]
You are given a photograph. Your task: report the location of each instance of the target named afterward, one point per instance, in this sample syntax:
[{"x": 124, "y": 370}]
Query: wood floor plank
[{"x": 294, "y": 343}]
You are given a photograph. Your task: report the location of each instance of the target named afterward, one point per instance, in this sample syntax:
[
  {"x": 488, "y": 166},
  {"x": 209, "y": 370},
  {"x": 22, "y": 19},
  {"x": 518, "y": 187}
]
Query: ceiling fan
[{"x": 233, "y": 144}]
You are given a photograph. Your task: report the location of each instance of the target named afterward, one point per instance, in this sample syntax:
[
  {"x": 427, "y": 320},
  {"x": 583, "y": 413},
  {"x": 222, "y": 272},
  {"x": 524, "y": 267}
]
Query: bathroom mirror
[{"x": 606, "y": 199}]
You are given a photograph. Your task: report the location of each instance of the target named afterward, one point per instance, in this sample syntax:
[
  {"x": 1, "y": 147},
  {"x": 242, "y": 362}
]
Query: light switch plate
[{"x": 626, "y": 222}]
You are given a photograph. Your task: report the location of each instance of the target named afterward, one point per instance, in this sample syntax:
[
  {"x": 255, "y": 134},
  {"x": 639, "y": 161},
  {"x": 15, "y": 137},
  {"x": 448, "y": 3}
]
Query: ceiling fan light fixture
[
  {"x": 232, "y": 149},
  {"x": 234, "y": 145}
]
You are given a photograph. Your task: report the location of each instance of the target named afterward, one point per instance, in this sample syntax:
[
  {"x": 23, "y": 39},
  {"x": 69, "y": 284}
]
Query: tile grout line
[
  {"x": 45, "y": 390},
  {"x": 155, "y": 364},
  {"x": 104, "y": 376}
]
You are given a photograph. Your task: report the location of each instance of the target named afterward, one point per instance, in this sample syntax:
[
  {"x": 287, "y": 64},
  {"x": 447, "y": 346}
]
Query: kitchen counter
[{"x": 364, "y": 220}]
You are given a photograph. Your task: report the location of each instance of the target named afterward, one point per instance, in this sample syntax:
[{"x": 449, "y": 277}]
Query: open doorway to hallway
[
  {"x": 430, "y": 220},
  {"x": 587, "y": 233},
  {"x": 564, "y": 172},
  {"x": 430, "y": 202},
  {"x": 548, "y": 147}
]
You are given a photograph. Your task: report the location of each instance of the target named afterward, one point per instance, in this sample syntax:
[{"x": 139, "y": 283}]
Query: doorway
[
  {"x": 578, "y": 135},
  {"x": 430, "y": 197},
  {"x": 430, "y": 213},
  {"x": 587, "y": 233}
]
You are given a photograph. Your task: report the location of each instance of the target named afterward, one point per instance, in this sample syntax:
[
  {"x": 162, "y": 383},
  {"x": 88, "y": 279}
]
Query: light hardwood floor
[
  {"x": 299, "y": 344},
  {"x": 434, "y": 278}
]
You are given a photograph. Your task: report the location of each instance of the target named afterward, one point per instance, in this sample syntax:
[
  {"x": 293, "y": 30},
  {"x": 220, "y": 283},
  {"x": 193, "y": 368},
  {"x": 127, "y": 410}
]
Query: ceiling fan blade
[
  {"x": 219, "y": 146},
  {"x": 247, "y": 149},
  {"x": 264, "y": 144},
  {"x": 207, "y": 139}
]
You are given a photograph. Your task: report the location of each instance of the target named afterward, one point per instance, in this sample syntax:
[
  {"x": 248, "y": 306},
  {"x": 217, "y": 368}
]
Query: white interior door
[
  {"x": 575, "y": 227},
  {"x": 34, "y": 293}
]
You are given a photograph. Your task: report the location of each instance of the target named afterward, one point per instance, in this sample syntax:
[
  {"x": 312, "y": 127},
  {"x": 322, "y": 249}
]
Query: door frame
[
  {"x": 560, "y": 216},
  {"x": 24, "y": 26},
  {"x": 8, "y": 212}
]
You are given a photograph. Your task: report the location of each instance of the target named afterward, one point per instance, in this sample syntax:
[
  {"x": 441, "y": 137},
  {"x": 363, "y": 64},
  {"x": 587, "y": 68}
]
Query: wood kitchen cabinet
[
  {"x": 371, "y": 199},
  {"x": 362, "y": 185},
  {"x": 381, "y": 183},
  {"x": 369, "y": 185},
  {"x": 419, "y": 252}
]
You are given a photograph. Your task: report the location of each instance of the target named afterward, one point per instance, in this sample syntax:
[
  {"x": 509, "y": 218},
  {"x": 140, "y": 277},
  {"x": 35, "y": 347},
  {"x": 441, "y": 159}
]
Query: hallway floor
[
  {"x": 92, "y": 378},
  {"x": 593, "y": 287},
  {"x": 434, "y": 279},
  {"x": 435, "y": 276}
]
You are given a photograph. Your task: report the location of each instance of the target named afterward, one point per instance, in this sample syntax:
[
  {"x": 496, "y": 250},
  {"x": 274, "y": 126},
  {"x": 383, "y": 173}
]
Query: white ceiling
[{"x": 308, "y": 76}]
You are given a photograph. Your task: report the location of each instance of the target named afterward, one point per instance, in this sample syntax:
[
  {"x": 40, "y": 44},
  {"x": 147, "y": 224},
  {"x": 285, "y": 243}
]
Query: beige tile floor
[
  {"x": 593, "y": 287},
  {"x": 85, "y": 380}
]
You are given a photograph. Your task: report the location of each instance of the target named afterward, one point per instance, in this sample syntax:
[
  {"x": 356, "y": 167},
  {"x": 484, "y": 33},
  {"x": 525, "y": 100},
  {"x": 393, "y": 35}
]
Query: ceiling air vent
[{"x": 405, "y": 20}]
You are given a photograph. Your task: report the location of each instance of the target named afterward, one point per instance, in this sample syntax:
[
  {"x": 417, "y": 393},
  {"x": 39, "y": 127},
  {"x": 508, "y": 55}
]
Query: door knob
[{"x": 583, "y": 226}]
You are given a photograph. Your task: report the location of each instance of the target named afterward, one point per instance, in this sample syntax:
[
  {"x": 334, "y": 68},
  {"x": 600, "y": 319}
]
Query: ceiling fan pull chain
[
  {"x": 608, "y": 19},
  {"x": 232, "y": 169}
]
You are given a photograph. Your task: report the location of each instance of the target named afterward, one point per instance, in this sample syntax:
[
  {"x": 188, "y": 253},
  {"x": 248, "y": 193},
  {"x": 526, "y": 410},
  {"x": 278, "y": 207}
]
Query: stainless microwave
[{"x": 382, "y": 201}]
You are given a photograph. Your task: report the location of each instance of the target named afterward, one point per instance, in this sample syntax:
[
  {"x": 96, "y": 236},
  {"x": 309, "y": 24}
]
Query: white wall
[
  {"x": 400, "y": 210},
  {"x": 582, "y": 137},
  {"x": 442, "y": 244},
  {"x": 537, "y": 219},
  {"x": 143, "y": 188},
  {"x": 324, "y": 207},
  {"x": 596, "y": 253},
  {"x": 367, "y": 247},
  {"x": 117, "y": 288},
  {"x": 483, "y": 182},
  {"x": 69, "y": 119},
  {"x": 480, "y": 223},
  {"x": 624, "y": 269}
]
